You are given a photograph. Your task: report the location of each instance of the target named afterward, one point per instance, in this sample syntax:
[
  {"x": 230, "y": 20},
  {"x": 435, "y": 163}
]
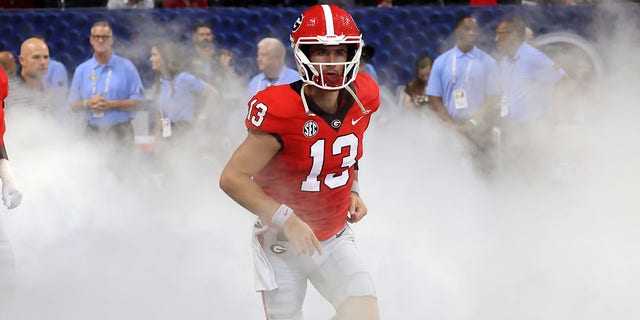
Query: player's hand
[
  {"x": 301, "y": 236},
  {"x": 11, "y": 196},
  {"x": 357, "y": 209}
]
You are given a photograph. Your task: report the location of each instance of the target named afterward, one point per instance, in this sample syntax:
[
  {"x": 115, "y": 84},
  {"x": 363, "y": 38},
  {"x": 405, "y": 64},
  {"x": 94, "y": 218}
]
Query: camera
[{"x": 423, "y": 100}]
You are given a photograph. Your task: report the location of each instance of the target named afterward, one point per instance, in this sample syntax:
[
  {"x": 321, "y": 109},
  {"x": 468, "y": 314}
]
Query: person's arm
[
  {"x": 407, "y": 101},
  {"x": 134, "y": 98},
  {"x": 357, "y": 209},
  {"x": 91, "y": 103},
  {"x": 128, "y": 105},
  {"x": 75, "y": 99},
  {"x": 11, "y": 196},
  {"x": 437, "y": 105},
  {"x": 236, "y": 181}
]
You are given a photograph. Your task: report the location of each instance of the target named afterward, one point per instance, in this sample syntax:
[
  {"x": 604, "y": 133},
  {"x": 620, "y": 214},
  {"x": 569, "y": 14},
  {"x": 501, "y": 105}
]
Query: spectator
[
  {"x": 206, "y": 63},
  {"x": 175, "y": 96},
  {"x": 57, "y": 76},
  {"x": 29, "y": 91},
  {"x": 385, "y": 3},
  {"x": 528, "y": 75},
  {"x": 271, "y": 54},
  {"x": 528, "y": 78},
  {"x": 107, "y": 89},
  {"x": 365, "y": 58},
  {"x": 463, "y": 90},
  {"x": 415, "y": 93},
  {"x": 130, "y": 4},
  {"x": 11, "y": 198},
  {"x": 463, "y": 85},
  {"x": 185, "y": 4}
]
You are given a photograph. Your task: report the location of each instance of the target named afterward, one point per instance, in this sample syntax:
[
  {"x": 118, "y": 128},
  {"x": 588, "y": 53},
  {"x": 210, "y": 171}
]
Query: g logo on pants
[{"x": 278, "y": 248}]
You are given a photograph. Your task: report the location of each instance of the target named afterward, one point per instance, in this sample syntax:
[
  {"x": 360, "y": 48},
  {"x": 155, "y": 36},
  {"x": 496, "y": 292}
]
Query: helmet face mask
[{"x": 327, "y": 25}]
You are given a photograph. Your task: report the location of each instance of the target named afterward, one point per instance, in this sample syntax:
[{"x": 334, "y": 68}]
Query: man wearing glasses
[
  {"x": 528, "y": 79},
  {"x": 107, "y": 89}
]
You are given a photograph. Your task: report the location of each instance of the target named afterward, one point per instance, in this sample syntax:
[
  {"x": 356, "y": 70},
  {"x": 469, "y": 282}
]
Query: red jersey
[
  {"x": 4, "y": 92},
  {"x": 313, "y": 172}
]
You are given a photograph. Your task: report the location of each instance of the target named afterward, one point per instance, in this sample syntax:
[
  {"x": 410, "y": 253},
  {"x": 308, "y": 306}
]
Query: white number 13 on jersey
[
  {"x": 261, "y": 110},
  {"x": 331, "y": 180}
]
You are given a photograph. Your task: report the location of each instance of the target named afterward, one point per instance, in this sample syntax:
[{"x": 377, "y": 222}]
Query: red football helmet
[{"x": 326, "y": 25}]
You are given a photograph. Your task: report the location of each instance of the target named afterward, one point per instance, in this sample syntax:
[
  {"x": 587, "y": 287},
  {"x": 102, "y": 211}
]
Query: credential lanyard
[
  {"x": 94, "y": 82},
  {"x": 454, "y": 68}
]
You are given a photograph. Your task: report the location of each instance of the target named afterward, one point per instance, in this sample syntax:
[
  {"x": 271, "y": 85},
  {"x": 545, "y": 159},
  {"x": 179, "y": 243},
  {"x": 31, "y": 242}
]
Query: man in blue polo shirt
[
  {"x": 528, "y": 75},
  {"x": 463, "y": 89},
  {"x": 107, "y": 89},
  {"x": 464, "y": 79},
  {"x": 271, "y": 54},
  {"x": 528, "y": 78}
]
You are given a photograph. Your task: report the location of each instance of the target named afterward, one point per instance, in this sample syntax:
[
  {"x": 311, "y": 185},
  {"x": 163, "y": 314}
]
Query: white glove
[{"x": 11, "y": 196}]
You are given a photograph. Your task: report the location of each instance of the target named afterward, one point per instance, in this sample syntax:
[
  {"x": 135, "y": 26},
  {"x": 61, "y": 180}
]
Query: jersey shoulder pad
[
  {"x": 367, "y": 91},
  {"x": 272, "y": 108}
]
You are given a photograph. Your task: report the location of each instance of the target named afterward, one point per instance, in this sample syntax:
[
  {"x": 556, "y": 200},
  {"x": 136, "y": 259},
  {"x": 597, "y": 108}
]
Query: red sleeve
[
  {"x": 4, "y": 91},
  {"x": 270, "y": 109},
  {"x": 368, "y": 91}
]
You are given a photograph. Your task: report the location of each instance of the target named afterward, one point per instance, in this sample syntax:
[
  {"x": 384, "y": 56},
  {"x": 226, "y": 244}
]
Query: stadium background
[{"x": 399, "y": 34}]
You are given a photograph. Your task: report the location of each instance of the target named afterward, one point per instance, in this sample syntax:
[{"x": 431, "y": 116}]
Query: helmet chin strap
[
  {"x": 311, "y": 114},
  {"x": 353, "y": 94},
  {"x": 304, "y": 101}
]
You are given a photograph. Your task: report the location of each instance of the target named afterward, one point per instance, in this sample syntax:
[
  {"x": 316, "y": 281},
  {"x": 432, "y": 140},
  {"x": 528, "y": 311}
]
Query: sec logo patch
[{"x": 310, "y": 129}]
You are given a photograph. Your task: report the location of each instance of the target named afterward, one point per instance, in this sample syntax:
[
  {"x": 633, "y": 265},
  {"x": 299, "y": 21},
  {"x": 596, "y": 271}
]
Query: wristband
[
  {"x": 84, "y": 103},
  {"x": 355, "y": 187},
  {"x": 282, "y": 215},
  {"x": 473, "y": 122}
]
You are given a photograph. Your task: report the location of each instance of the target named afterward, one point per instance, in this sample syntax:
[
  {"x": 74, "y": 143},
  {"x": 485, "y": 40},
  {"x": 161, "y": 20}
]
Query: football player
[
  {"x": 11, "y": 198},
  {"x": 297, "y": 170}
]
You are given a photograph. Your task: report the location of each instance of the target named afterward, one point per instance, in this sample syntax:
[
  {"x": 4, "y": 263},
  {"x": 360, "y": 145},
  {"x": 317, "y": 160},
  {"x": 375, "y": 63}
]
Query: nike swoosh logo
[
  {"x": 340, "y": 233},
  {"x": 354, "y": 121}
]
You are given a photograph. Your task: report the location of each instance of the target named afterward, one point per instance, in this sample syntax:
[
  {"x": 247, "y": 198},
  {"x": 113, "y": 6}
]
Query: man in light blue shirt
[
  {"x": 463, "y": 85},
  {"x": 271, "y": 54},
  {"x": 57, "y": 76},
  {"x": 107, "y": 89},
  {"x": 463, "y": 90},
  {"x": 528, "y": 76}
]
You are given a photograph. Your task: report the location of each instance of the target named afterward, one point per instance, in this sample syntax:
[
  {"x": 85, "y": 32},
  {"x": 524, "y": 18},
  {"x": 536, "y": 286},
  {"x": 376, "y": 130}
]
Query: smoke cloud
[{"x": 441, "y": 241}]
